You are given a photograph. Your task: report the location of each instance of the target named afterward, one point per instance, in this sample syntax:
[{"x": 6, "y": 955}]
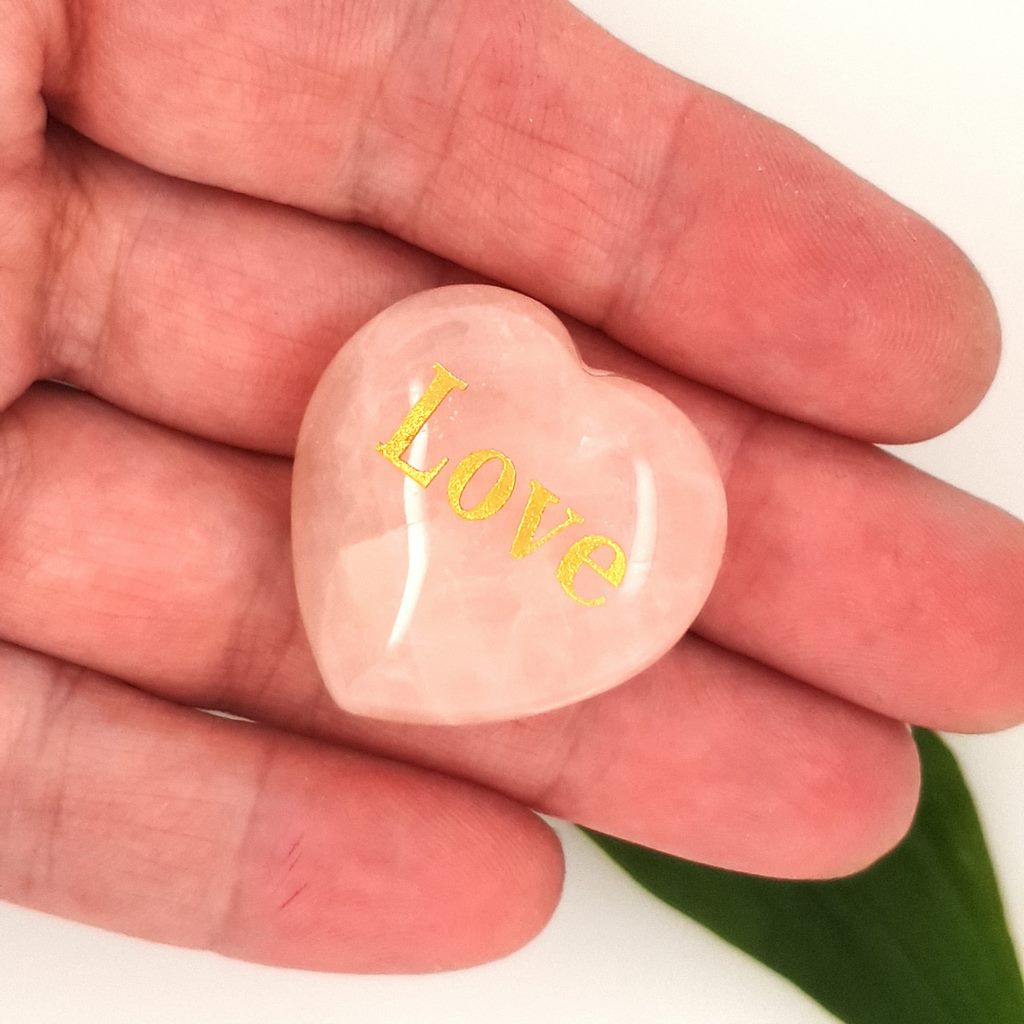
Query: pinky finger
[{"x": 139, "y": 816}]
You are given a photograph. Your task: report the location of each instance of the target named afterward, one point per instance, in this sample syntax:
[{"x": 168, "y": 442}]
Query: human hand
[{"x": 782, "y": 302}]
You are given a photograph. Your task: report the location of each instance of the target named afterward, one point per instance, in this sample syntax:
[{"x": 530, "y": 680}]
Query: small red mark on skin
[
  {"x": 293, "y": 854},
  {"x": 301, "y": 889}
]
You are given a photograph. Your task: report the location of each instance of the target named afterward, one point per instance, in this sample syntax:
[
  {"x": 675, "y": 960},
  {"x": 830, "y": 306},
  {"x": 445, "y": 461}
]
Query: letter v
[{"x": 525, "y": 540}]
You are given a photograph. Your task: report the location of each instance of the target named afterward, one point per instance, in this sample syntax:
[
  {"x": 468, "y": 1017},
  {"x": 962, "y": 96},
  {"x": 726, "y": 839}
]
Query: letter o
[{"x": 495, "y": 499}]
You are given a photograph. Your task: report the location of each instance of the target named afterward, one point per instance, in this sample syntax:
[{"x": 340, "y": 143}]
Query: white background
[{"x": 923, "y": 97}]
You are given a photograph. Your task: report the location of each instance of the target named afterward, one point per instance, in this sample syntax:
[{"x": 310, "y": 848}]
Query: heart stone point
[{"x": 484, "y": 528}]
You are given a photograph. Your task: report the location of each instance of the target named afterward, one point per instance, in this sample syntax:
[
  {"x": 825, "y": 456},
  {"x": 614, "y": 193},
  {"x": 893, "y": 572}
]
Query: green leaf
[{"x": 918, "y": 938}]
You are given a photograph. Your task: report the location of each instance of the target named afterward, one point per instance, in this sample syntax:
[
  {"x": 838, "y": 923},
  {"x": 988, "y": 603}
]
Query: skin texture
[{"x": 198, "y": 204}]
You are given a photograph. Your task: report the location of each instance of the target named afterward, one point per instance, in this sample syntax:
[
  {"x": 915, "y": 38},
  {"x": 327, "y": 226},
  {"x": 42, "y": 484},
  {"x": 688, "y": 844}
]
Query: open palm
[{"x": 198, "y": 203}]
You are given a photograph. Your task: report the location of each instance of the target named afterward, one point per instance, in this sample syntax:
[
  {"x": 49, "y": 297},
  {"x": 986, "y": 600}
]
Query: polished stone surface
[{"x": 482, "y": 527}]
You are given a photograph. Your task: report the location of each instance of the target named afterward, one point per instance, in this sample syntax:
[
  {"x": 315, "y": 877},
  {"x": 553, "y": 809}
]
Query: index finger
[{"x": 525, "y": 143}]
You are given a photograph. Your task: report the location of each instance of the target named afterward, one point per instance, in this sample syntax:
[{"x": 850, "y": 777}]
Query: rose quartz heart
[{"x": 483, "y": 528}]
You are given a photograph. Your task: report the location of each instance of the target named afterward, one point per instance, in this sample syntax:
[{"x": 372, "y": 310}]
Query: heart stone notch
[{"x": 484, "y": 528}]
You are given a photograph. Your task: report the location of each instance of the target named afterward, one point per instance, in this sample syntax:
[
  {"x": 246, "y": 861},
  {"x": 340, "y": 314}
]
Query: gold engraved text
[
  {"x": 525, "y": 541},
  {"x": 578, "y": 556},
  {"x": 393, "y": 450},
  {"x": 494, "y": 500}
]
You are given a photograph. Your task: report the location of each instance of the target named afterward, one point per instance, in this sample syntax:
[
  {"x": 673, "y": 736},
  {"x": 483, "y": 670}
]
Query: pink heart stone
[{"x": 484, "y": 528}]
